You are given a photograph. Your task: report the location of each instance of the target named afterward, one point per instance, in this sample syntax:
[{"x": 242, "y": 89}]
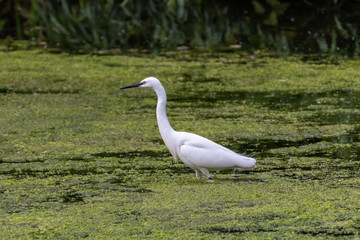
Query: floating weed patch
[
  {"x": 132, "y": 154},
  {"x": 238, "y": 231},
  {"x": 81, "y": 159},
  {"x": 38, "y": 91},
  {"x": 328, "y": 232},
  {"x": 72, "y": 197}
]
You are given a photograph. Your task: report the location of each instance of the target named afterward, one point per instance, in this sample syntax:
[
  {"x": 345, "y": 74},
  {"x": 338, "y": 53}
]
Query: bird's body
[{"x": 196, "y": 152}]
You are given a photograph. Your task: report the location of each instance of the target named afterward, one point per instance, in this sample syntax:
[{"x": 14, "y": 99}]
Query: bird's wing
[{"x": 204, "y": 153}]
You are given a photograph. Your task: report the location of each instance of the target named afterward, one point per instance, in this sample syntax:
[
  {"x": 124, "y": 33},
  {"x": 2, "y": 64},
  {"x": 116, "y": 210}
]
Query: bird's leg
[
  {"x": 198, "y": 174},
  {"x": 206, "y": 172}
]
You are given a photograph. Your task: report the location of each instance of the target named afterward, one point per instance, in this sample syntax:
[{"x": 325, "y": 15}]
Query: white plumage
[{"x": 194, "y": 151}]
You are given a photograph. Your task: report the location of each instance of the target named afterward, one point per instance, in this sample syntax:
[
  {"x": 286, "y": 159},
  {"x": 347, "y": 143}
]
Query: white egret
[{"x": 196, "y": 152}]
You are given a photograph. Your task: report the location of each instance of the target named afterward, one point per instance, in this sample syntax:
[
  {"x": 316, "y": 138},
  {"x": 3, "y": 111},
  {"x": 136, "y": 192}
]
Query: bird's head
[{"x": 149, "y": 82}]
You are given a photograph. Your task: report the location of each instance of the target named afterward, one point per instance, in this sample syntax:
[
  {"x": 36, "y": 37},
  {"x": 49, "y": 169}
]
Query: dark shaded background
[{"x": 326, "y": 26}]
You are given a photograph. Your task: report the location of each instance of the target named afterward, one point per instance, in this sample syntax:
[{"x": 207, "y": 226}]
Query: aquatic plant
[{"x": 81, "y": 159}]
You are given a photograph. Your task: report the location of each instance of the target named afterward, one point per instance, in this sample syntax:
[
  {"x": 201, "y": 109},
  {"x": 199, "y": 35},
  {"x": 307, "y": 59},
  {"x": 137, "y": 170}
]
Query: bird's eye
[{"x": 143, "y": 82}]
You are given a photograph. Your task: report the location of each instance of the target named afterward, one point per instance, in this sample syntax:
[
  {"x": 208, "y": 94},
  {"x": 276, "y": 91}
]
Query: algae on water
[{"x": 81, "y": 159}]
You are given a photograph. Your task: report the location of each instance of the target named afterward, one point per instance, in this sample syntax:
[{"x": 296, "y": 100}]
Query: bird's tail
[{"x": 251, "y": 164}]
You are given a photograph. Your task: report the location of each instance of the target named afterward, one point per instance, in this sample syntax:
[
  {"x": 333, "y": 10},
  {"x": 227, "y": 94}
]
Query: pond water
[
  {"x": 307, "y": 111},
  {"x": 329, "y": 135},
  {"x": 78, "y": 157}
]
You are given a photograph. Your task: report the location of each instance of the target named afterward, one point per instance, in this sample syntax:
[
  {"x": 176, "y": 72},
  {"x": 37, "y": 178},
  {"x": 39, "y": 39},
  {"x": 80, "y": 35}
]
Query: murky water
[
  {"x": 314, "y": 110},
  {"x": 80, "y": 158},
  {"x": 333, "y": 108}
]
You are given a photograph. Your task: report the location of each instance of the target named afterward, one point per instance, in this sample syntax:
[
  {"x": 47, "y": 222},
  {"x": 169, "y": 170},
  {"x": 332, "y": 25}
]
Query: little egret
[{"x": 196, "y": 152}]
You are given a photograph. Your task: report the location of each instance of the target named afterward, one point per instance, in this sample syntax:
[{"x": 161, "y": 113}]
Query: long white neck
[{"x": 163, "y": 122}]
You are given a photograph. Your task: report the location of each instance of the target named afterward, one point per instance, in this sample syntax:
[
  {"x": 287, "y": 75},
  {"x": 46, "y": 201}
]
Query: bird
[{"x": 196, "y": 152}]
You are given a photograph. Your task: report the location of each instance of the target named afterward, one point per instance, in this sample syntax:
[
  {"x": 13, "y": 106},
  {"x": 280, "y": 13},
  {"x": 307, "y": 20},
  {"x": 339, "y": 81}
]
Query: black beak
[{"x": 133, "y": 85}]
